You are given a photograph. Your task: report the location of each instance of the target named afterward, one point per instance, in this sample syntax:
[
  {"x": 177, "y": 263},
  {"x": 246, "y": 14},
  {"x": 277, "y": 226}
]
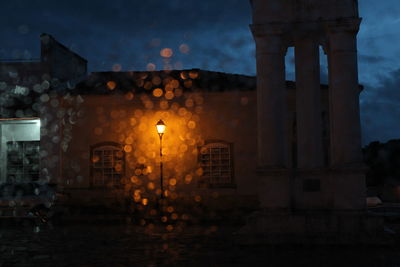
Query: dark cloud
[
  {"x": 371, "y": 59},
  {"x": 132, "y": 33},
  {"x": 380, "y": 109}
]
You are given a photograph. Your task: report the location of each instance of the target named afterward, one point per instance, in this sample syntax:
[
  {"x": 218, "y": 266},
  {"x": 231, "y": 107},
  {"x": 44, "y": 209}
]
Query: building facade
[{"x": 98, "y": 135}]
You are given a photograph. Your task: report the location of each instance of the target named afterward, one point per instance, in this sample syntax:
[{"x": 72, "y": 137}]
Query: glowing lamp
[
  {"x": 160, "y": 127},
  {"x": 160, "y": 130}
]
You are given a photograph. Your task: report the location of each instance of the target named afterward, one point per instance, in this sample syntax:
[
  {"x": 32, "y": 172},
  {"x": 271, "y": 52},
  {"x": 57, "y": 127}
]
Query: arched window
[
  {"x": 216, "y": 160},
  {"x": 107, "y": 164}
]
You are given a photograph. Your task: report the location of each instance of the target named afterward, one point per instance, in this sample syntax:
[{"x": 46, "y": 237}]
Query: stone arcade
[{"x": 310, "y": 196}]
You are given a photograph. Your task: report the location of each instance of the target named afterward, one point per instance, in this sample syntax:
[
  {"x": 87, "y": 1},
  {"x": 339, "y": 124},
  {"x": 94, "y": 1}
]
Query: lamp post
[{"x": 160, "y": 130}]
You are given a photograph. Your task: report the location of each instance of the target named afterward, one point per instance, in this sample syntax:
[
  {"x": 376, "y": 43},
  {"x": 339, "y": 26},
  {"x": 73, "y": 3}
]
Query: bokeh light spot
[
  {"x": 184, "y": 49},
  {"x": 151, "y": 67},
  {"x": 166, "y": 52},
  {"x": 157, "y": 92},
  {"x": 111, "y": 85},
  {"x": 116, "y": 67}
]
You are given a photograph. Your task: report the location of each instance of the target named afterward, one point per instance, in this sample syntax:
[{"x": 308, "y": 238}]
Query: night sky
[{"x": 212, "y": 35}]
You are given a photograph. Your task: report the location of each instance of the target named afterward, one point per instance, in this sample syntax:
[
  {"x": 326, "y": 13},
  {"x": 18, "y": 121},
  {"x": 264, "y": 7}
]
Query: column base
[
  {"x": 329, "y": 189},
  {"x": 274, "y": 188}
]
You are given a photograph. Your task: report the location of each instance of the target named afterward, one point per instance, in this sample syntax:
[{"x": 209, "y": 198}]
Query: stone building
[
  {"x": 314, "y": 199},
  {"x": 24, "y": 86},
  {"x": 98, "y": 136},
  {"x": 105, "y": 136}
]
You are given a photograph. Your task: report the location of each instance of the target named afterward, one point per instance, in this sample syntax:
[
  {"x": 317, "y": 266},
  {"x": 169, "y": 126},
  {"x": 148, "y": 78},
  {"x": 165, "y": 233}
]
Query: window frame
[
  {"x": 205, "y": 181},
  {"x": 98, "y": 146},
  {"x": 25, "y": 171}
]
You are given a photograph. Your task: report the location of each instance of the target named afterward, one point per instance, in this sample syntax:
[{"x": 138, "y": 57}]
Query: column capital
[
  {"x": 269, "y": 38},
  {"x": 263, "y": 30},
  {"x": 343, "y": 25}
]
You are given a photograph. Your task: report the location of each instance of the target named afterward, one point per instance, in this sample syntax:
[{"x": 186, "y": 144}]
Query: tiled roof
[
  {"x": 189, "y": 80},
  {"x": 145, "y": 81}
]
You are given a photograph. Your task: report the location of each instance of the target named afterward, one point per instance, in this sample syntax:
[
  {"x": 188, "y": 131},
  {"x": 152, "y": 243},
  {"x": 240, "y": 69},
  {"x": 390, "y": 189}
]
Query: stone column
[
  {"x": 271, "y": 97},
  {"x": 308, "y": 104},
  {"x": 344, "y": 93}
]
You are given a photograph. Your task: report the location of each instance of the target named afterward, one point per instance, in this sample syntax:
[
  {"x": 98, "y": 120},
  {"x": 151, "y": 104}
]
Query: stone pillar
[
  {"x": 344, "y": 94},
  {"x": 308, "y": 104},
  {"x": 271, "y": 98},
  {"x": 272, "y": 161}
]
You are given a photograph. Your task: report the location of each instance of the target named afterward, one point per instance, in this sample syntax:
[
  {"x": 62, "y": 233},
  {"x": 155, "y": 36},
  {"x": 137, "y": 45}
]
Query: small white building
[{"x": 19, "y": 149}]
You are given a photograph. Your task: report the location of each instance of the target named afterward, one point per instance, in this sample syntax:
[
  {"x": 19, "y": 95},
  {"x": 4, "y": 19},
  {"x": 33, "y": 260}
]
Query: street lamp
[{"x": 160, "y": 130}]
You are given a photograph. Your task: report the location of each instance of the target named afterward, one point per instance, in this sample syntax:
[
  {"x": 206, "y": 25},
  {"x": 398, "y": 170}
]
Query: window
[
  {"x": 217, "y": 163},
  {"x": 23, "y": 161},
  {"x": 107, "y": 164}
]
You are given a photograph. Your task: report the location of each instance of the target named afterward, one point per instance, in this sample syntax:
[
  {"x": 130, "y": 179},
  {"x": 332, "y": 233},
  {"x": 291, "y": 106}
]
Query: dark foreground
[{"x": 127, "y": 244}]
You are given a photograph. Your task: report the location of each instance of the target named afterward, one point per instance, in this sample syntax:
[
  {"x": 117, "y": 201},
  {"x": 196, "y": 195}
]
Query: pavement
[{"x": 90, "y": 243}]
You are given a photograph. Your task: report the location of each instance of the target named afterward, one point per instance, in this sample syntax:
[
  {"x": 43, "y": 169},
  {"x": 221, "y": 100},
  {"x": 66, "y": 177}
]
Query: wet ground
[{"x": 127, "y": 244}]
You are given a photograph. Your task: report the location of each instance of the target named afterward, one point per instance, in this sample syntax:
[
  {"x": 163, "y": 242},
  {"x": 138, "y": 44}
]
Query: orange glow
[
  {"x": 158, "y": 92},
  {"x": 134, "y": 179},
  {"x": 197, "y": 198},
  {"x": 142, "y": 160},
  {"x": 170, "y": 209},
  {"x": 191, "y": 124},
  {"x": 193, "y": 74},
  {"x": 169, "y": 95},
  {"x": 145, "y": 201},
  {"x": 160, "y": 127},
  {"x": 128, "y": 148},
  {"x": 138, "y": 113},
  {"x": 188, "y": 83},
  {"x": 182, "y": 111},
  {"x": 178, "y": 92},
  {"x": 129, "y": 140},
  {"x": 169, "y": 87},
  {"x": 164, "y": 104},
  {"x": 138, "y": 172},
  {"x": 151, "y": 186},
  {"x": 183, "y": 75},
  {"x": 118, "y": 167},
  {"x": 156, "y": 80},
  {"x": 188, "y": 178},
  {"x": 183, "y": 148},
  {"x": 95, "y": 159},
  {"x": 189, "y": 103},
  {"x": 172, "y": 181},
  {"x": 129, "y": 96},
  {"x": 132, "y": 121},
  {"x": 166, "y": 52},
  {"x": 198, "y": 109},
  {"x": 199, "y": 171},
  {"x": 111, "y": 85},
  {"x": 175, "y": 83}
]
